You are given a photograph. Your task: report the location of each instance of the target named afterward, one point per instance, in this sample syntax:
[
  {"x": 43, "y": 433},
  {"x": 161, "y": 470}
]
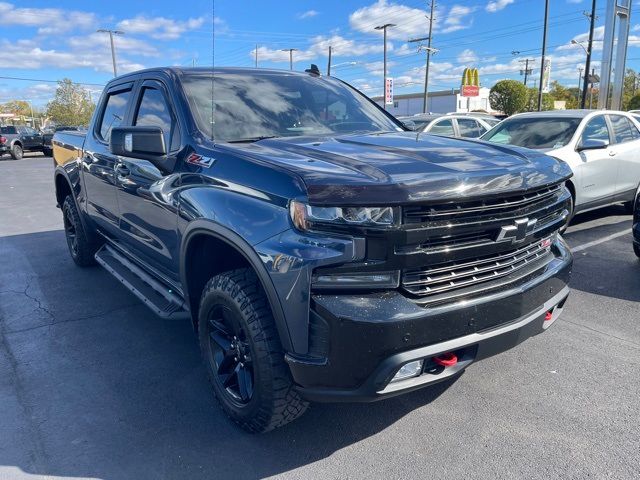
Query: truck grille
[
  {"x": 458, "y": 248},
  {"x": 456, "y": 275}
]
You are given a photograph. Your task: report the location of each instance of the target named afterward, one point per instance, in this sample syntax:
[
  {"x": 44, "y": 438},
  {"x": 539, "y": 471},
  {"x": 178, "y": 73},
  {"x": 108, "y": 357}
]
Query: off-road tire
[
  {"x": 47, "y": 152},
  {"x": 16, "y": 152},
  {"x": 83, "y": 250},
  {"x": 273, "y": 402},
  {"x": 636, "y": 249}
]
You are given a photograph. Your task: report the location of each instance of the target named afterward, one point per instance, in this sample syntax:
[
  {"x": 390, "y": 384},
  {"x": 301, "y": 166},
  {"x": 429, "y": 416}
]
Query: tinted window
[
  {"x": 247, "y": 106},
  {"x": 114, "y": 112},
  {"x": 154, "y": 111},
  {"x": 442, "y": 127},
  {"x": 621, "y": 128},
  {"x": 596, "y": 129},
  {"x": 469, "y": 128},
  {"x": 8, "y": 130},
  {"x": 540, "y": 132},
  {"x": 30, "y": 131}
]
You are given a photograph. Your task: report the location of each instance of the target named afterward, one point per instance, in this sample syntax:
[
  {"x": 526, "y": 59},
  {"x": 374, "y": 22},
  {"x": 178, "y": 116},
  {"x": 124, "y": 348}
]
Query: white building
[{"x": 444, "y": 101}]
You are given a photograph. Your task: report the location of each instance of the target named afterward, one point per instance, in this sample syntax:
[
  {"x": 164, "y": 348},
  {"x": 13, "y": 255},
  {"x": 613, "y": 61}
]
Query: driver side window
[{"x": 596, "y": 129}]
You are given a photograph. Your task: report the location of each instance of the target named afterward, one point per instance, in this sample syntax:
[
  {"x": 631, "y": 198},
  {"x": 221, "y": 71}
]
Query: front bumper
[{"x": 369, "y": 337}]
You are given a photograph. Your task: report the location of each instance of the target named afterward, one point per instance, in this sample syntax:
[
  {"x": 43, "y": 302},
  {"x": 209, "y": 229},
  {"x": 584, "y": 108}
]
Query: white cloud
[
  {"x": 409, "y": 21},
  {"x": 456, "y": 17},
  {"x": 307, "y": 14},
  {"x": 49, "y": 20},
  {"x": 497, "y": 5},
  {"x": 467, "y": 56},
  {"x": 160, "y": 28}
]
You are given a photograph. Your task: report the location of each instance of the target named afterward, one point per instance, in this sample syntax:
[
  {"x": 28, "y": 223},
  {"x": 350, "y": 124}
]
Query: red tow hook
[
  {"x": 548, "y": 316},
  {"x": 448, "y": 359}
]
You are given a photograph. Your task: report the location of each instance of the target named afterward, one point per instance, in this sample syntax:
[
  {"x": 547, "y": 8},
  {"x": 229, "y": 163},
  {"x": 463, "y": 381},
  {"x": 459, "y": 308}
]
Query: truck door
[
  {"x": 148, "y": 215},
  {"x": 99, "y": 164}
]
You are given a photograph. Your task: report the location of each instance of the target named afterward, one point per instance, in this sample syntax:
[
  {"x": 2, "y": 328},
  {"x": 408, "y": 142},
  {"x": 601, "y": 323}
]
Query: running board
[{"x": 155, "y": 294}]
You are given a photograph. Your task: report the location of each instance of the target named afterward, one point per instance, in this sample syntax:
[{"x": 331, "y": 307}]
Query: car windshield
[
  {"x": 249, "y": 107},
  {"x": 532, "y": 132}
]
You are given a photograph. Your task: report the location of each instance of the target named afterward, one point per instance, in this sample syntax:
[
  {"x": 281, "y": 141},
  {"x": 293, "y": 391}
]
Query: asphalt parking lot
[{"x": 93, "y": 385}]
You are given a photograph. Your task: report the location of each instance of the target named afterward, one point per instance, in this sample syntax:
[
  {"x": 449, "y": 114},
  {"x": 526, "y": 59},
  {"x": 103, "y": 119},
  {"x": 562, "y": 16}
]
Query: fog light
[{"x": 408, "y": 370}]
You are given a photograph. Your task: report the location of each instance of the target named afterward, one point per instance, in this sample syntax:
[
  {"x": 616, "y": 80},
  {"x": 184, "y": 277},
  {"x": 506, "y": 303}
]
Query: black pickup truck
[
  {"x": 322, "y": 252},
  {"x": 15, "y": 140}
]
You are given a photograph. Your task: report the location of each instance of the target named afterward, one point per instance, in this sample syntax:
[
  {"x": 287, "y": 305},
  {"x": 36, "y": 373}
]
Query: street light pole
[
  {"x": 290, "y": 50},
  {"x": 329, "y": 63},
  {"x": 544, "y": 52},
  {"x": 384, "y": 82},
  {"x": 113, "y": 49}
]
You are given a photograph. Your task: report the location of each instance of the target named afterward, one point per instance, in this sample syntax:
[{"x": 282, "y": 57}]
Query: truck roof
[{"x": 179, "y": 71}]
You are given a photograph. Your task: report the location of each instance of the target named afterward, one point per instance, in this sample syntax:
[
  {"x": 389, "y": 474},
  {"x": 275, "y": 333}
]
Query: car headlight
[{"x": 304, "y": 215}]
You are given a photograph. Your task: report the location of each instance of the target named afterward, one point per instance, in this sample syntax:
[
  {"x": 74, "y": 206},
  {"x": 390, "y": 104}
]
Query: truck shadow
[{"x": 97, "y": 386}]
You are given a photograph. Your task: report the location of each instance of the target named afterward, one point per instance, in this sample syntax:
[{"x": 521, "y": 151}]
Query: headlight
[{"x": 303, "y": 215}]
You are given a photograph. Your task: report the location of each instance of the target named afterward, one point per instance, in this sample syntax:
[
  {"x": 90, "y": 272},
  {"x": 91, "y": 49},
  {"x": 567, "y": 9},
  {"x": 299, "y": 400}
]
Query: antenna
[{"x": 213, "y": 59}]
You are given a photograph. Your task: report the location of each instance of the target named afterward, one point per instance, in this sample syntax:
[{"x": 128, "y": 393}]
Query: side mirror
[
  {"x": 592, "y": 144},
  {"x": 138, "y": 142}
]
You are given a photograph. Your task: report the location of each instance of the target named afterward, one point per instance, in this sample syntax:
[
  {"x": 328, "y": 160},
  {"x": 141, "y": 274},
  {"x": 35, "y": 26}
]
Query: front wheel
[
  {"x": 636, "y": 249},
  {"x": 243, "y": 355}
]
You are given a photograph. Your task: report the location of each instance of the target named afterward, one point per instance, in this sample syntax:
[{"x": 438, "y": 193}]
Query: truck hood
[{"x": 404, "y": 167}]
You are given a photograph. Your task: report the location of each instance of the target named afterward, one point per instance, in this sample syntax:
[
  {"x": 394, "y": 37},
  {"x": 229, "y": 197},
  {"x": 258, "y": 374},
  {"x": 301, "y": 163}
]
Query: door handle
[
  {"x": 612, "y": 153},
  {"x": 122, "y": 170}
]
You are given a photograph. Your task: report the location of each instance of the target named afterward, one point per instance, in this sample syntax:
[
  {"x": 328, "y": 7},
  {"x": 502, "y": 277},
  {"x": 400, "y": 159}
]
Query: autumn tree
[{"x": 72, "y": 104}]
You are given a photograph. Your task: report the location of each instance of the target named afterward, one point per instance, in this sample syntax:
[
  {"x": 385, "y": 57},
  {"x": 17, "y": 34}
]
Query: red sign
[
  {"x": 388, "y": 92},
  {"x": 470, "y": 91}
]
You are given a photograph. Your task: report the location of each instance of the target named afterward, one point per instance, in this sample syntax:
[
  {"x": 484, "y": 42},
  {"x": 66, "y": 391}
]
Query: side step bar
[{"x": 155, "y": 294}]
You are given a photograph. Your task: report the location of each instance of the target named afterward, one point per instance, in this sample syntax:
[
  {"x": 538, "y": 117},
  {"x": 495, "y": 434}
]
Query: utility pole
[
  {"x": 544, "y": 52},
  {"x": 527, "y": 71},
  {"x": 592, "y": 78},
  {"x": 256, "y": 55},
  {"x": 290, "y": 50},
  {"x": 113, "y": 49},
  {"x": 329, "y": 63},
  {"x": 426, "y": 71},
  {"x": 384, "y": 82},
  {"x": 587, "y": 64}
]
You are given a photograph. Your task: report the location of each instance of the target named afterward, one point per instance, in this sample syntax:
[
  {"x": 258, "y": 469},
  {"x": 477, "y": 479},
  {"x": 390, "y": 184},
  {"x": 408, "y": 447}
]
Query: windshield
[
  {"x": 254, "y": 106},
  {"x": 532, "y": 132}
]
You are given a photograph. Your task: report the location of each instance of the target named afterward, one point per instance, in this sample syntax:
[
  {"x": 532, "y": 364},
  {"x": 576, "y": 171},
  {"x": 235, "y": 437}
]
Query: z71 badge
[{"x": 199, "y": 160}]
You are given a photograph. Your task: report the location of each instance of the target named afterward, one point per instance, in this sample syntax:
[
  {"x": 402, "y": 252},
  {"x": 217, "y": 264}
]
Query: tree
[
  {"x": 72, "y": 104},
  {"x": 531, "y": 105},
  {"x": 561, "y": 93},
  {"x": 20, "y": 108},
  {"x": 508, "y": 96},
  {"x": 634, "y": 103}
]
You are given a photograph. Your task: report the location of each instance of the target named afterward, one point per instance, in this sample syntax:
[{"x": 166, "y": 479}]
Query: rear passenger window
[
  {"x": 469, "y": 128},
  {"x": 443, "y": 127},
  {"x": 596, "y": 129},
  {"x": 154, "y": 112},
  {"x": 114, "y": 112},
  {"x": 622, "y": 129}
]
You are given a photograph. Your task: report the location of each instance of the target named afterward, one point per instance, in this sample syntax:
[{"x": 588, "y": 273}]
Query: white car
[
  {"x": 601, "y": 147},
  {"x": 450, "y": 125}
]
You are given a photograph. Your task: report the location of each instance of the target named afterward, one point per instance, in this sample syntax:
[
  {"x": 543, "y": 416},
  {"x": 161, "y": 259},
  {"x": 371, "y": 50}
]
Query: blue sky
[{"x": 44, "y": 40}]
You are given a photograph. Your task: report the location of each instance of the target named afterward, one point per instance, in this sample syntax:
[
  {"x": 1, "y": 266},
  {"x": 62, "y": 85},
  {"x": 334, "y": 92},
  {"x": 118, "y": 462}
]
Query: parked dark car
[
  {"x": 15, "y": 140},
  {"x": 321, "y": 251}
]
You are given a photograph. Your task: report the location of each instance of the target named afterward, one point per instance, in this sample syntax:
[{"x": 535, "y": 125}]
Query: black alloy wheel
[
  {"x": 231, "y": 354},
  {"x": 70, "y": 232}
]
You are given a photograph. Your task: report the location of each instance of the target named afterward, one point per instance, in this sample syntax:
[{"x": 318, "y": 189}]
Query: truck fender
[{"x": 219, "y": 232}]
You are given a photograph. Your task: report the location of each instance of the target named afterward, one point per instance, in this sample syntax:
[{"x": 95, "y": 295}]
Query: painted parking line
[{"x": 593, "y": 243}]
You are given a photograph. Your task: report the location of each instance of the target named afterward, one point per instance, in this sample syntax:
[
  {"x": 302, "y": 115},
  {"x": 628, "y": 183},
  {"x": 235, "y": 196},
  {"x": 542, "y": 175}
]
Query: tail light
[{"x": 3, "y": 140}]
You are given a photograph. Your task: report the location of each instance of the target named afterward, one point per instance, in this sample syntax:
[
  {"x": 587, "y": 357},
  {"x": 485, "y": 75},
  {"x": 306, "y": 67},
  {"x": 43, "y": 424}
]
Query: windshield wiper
[{"x": 252, "y": 139}]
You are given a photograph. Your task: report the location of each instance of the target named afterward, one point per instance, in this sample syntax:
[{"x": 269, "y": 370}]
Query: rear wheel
[
  {"x": 16, "y": 152},
  {"x": 242, "y": 353},
  {"x": 80, "y": 247}
]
